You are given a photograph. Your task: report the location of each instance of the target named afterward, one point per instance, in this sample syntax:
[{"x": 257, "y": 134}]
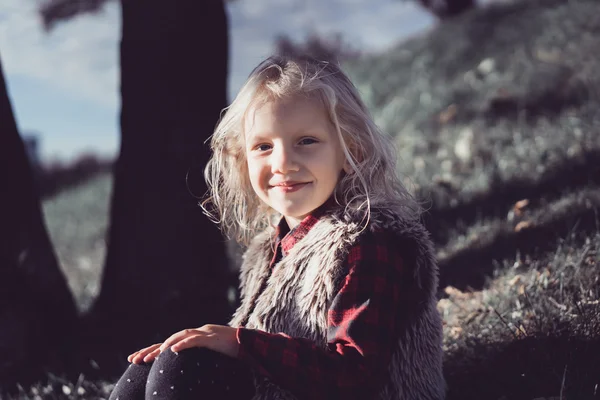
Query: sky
[{"x": 63, "y": 84}]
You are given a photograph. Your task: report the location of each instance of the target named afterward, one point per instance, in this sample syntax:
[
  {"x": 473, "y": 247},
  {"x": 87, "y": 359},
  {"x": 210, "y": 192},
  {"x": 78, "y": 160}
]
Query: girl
[{"x": 338, "y": 281}]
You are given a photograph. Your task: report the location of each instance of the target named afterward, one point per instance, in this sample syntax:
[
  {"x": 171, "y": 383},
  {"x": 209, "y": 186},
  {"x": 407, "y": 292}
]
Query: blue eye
[
  {"x": 307, "y": 141},
  {"x": 263, "y": 147}
]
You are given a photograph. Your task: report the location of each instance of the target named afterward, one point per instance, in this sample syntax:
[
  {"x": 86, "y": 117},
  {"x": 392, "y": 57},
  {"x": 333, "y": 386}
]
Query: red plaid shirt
[{"x": 361, "y": 325}]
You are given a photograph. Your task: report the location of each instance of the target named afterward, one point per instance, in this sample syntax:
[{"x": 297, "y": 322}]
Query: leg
[
  {"x": 132, "y": 385},
  {"x": 198, "y": 374}
]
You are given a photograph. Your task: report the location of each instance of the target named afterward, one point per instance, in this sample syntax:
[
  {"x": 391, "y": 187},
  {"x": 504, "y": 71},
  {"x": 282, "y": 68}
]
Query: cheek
[
  {"x": 255, "y": 171},
  {"x": 255, "y": 184}
]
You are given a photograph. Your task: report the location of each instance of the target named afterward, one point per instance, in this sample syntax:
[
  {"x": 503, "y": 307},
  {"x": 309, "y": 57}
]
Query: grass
[
  {"x": 57, "y": 387},
  {"x": 532, "y": 332}
]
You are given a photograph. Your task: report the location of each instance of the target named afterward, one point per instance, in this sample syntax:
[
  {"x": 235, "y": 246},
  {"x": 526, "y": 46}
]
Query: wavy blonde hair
[{"x": 231, "y": 201}]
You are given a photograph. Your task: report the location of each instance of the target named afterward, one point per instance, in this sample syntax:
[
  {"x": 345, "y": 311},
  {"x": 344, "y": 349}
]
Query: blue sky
[{"x": 64, "y": 84}]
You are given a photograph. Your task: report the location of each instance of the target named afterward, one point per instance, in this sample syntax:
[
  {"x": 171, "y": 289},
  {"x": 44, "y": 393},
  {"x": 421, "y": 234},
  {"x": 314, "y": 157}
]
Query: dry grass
[
  {"x": 77, "y": 222},
  {"x": 532, "y": 332},
  {"x": 57, "y": 387}
]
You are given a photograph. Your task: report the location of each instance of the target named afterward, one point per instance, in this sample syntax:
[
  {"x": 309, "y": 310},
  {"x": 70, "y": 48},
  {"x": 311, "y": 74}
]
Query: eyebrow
[
  {"x": 258, "y": 136},
  {"x": 268, "y": 135}
]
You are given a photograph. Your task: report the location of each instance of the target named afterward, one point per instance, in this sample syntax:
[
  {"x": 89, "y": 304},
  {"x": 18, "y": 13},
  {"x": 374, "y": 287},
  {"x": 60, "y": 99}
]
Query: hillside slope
[{"x": 496, "y": 116}]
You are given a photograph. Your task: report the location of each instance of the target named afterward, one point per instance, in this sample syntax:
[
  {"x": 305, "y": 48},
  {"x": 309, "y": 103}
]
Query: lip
[
  {"x": 290, "y": 186},
  {"x": 287, "y": 183}
]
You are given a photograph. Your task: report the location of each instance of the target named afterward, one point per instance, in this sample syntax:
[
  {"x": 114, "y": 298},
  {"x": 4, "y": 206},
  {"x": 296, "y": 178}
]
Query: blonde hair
[{"x": 369, "y": 152}]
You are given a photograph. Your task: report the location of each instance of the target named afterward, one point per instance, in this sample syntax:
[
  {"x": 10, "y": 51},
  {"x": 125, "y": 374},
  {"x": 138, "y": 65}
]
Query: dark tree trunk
[
  {"x": 166, "y": 266},
  {"x": 37, "y": 311}
]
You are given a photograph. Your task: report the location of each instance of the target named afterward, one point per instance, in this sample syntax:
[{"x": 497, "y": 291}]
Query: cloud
[
  {"x": 79, "y": 56},
  {"x": 371, "y": 25}
]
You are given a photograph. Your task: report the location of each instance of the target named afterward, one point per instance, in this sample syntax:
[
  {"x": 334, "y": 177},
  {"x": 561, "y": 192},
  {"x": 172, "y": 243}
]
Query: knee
[
  {"x": 178, "y": 374},
  {"x": 132, "y": 383},
  {"x": 196, "y": 370},
  {"x": 191, "y": 359}
]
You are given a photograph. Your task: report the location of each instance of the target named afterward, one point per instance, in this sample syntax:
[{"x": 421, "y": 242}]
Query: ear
[{"x": 347, "y": 167}]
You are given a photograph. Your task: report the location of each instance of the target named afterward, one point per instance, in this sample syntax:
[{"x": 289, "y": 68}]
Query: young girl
[{"x": 338, "y": 282}]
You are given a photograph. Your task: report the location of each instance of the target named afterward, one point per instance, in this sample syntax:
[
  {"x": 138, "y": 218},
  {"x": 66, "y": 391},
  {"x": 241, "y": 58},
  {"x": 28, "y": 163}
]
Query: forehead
[{"x": 288, "y": 114}]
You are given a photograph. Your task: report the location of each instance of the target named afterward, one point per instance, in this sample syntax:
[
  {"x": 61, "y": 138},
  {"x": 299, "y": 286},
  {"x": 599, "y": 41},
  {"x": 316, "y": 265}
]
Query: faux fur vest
[{"x": 303, "y": 284}]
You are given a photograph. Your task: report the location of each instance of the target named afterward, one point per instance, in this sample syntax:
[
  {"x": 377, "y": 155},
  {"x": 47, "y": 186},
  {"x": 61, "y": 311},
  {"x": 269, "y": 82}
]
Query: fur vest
[{"x": 303, "y": 284}]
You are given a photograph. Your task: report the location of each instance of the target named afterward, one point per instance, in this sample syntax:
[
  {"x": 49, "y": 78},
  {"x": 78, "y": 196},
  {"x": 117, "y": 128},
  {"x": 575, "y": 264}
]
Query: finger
[
  {"x": 139, "y": 357},
  {"x": 176, "y": 337},
  {"x": 130, "y": 357},
  {"x": 151, "y": 356},
  {"x": 188, "y": 342}
]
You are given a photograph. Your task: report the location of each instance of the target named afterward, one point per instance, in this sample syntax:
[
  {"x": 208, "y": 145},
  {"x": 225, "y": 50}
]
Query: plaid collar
[{"x": 288, "y": 238}]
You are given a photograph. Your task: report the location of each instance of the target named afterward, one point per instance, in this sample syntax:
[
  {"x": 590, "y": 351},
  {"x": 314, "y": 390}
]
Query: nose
[{"x": 283, "y": 160}]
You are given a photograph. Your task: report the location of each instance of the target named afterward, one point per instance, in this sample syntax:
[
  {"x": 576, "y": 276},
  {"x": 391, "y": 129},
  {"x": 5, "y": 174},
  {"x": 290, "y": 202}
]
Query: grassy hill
[
  {"x": 77, "y": 220},
  {"x": 497, "y": 122}
]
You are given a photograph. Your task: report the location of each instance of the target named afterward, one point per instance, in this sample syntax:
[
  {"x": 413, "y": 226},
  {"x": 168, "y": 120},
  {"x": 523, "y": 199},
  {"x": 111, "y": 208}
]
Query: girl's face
[{"x": 294, "y": 156}]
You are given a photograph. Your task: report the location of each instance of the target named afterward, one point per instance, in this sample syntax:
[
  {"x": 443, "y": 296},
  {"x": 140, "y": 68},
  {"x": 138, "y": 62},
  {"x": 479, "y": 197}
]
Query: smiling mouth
[{"x": 290, "y": 188}]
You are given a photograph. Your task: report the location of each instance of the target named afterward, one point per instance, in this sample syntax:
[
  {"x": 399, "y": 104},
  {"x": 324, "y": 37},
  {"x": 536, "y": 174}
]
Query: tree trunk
[
  {"x": 37, "y": 310},
  {"x": 166, "y": 266}
]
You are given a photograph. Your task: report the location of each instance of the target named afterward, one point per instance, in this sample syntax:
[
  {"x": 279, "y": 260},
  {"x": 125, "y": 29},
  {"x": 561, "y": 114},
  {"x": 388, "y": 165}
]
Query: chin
[{"x": 295, "y": 212}]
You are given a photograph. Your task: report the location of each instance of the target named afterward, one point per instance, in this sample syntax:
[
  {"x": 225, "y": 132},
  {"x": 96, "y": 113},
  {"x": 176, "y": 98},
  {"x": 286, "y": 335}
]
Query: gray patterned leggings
[{"x": 191, "y": 374}]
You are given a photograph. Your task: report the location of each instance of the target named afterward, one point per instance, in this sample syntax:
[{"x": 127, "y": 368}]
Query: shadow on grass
[
  {"x": 469, "y": 267},
  {"x": 527, "y": 368},
  {"x": 569, "y": 176}
]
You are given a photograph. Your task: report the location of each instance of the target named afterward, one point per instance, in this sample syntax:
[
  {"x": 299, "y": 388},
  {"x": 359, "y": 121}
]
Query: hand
[
  {"x": 146, "y": 354},
  {"x": 215, "y": 337}
]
